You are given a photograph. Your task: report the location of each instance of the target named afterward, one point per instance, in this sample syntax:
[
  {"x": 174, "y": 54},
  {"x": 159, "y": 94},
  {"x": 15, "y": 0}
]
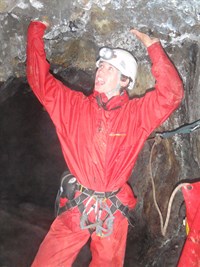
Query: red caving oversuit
[
  {"x": 100, "y": 147},
  {"x": 190, "y": 255}
]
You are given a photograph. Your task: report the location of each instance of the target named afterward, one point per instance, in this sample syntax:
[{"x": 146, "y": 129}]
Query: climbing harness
[
  {"x": 103, "y": 227},
  {"x": 89, "y": 201},
  {"x": 189, "y": 128}
]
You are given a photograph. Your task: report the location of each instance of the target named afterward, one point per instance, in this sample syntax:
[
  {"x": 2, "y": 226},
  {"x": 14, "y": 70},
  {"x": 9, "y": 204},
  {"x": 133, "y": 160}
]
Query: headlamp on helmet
[{"x": 106, "y": 53}]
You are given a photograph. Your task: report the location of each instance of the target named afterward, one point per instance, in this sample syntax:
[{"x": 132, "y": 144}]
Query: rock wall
[
  {"x": 85, "y": 25},
  {"x": 78, "y": 29}
]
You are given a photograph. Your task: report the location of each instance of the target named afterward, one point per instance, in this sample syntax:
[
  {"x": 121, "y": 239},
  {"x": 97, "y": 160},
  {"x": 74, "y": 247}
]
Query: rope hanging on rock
[
  {"x": 162, "y": 224},
  {"x": 189, "y": 128}
]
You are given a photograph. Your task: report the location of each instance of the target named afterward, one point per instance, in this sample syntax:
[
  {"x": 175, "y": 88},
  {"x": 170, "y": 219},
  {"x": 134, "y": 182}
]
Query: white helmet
[{"x": 120, "y": 59}]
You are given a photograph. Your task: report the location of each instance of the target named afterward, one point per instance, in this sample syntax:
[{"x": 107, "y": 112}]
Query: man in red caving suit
[{"x": 101, "y": 136}]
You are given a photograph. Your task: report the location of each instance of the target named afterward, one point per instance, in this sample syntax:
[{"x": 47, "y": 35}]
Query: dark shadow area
[{"x": 31, "y": 163}]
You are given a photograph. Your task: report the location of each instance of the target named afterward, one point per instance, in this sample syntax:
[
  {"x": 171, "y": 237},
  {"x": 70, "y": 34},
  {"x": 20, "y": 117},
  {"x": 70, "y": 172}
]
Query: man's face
[{"x": 107, "y": 78}]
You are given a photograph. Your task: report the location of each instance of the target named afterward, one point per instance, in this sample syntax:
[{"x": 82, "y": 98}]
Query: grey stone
[{"x": 78, "y": 29}]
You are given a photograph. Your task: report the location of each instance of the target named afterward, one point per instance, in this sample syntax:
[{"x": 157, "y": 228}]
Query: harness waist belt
[{"x": 88, "y": 201}]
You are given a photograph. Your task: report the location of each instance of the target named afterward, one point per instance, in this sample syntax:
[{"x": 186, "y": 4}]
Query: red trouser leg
[
  {"x": 63, "y": 242},
  {"x": 109, "y": 251}
]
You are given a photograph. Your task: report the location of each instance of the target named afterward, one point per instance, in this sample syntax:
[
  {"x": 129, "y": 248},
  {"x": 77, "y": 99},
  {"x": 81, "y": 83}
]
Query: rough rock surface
[{"x": 78, "y": 29}]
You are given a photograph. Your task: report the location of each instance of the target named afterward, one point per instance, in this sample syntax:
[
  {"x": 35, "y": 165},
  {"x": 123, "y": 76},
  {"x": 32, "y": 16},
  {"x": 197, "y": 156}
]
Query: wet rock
[
  {"x": 78, "y": 29},
  {"x": 100, "y": 22}
]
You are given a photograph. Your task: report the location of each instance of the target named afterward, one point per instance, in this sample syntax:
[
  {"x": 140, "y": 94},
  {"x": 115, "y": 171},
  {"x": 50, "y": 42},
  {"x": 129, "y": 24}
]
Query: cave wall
[{"x": 78, "y": 28}]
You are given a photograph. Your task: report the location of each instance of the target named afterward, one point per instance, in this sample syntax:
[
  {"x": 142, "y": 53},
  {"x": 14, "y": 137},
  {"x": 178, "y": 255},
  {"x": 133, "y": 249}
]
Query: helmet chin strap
[{"x": 112, "y": 92}]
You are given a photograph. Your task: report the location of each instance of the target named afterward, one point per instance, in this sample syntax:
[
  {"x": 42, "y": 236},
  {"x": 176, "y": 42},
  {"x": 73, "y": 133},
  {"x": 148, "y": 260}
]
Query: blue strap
[{"x": 185, "y": 129}]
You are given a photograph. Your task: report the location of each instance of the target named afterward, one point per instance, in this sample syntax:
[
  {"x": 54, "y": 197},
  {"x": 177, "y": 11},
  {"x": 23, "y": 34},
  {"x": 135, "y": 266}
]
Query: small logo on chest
[{"x": 117, "y": 134}]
